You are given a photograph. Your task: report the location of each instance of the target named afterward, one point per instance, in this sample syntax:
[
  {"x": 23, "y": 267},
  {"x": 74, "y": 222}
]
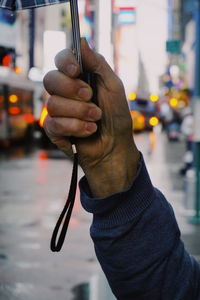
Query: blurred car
[{"x": 144, "y": 114}]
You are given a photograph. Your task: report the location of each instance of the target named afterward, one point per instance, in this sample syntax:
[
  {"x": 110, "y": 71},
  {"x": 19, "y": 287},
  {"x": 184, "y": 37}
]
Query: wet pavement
[{"x": 33, "y": 190}]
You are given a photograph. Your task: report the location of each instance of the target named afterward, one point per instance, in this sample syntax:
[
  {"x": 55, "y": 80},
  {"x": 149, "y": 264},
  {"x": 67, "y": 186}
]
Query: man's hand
[{"x": 109, "y": 158}]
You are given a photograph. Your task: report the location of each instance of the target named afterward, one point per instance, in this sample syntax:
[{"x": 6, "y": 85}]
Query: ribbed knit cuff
[{"x": 122, "y": 207}]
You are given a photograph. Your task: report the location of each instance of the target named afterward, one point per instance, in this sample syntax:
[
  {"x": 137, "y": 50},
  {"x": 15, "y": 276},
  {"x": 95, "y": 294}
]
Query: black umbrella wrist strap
[{"x": 57, "y": 242}]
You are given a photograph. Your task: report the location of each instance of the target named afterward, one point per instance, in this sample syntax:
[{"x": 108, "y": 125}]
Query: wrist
[{"x": 114, "y": 174}]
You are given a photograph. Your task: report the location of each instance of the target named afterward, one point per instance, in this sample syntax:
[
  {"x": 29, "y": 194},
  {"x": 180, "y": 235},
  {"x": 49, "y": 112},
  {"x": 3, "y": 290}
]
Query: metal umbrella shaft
[
  {"x": 88, "y": 77},
  {"x": 76, "y": 47}
]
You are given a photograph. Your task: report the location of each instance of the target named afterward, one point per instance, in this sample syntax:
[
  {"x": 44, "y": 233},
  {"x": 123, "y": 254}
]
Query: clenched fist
[{"x": 109, "y": 157}]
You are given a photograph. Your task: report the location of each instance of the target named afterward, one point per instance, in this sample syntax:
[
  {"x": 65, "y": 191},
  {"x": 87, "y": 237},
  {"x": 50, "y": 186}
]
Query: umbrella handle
[{"x": 91, "y": 79}]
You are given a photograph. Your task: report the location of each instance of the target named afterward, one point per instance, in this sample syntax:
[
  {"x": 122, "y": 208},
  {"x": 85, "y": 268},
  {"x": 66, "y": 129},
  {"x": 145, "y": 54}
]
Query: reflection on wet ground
[
  {"x": 3, "y": 256},
  {"x": 96, "y": 289},
  {"x": 20, "y": 151},
  {"x": 81, "y": 292},
  {"x": 13, "y": 292}
]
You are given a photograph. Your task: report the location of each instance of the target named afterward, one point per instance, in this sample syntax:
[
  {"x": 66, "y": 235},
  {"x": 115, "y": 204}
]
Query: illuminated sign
[{"x": 127, "y": 16}]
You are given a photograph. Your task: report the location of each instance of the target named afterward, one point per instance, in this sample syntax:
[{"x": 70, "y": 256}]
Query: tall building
[
  {"x": 188, "y": 39},
  {"x": 140, "y": 37},
  {"x": 181, "y": 38}
]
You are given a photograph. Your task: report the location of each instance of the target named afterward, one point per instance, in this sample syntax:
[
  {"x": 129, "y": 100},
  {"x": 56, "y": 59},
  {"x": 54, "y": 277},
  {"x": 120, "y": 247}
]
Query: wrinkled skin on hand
[{"x": 108, "y": 157}]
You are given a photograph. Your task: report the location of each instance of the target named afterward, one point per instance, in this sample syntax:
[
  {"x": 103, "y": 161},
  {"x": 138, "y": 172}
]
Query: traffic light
[{"x": 7, "y": 57}]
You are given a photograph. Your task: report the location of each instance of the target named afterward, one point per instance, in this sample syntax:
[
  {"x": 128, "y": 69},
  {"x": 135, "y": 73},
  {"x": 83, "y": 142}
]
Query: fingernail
[
  {"x": 95, "y": 113},
  {"x": 71, "y": 69},
  {"x": 84, "y": 93},
  {"x": 91, "y": 127}
]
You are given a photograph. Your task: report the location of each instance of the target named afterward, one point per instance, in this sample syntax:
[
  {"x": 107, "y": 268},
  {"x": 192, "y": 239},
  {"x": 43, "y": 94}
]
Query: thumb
[{"x": 96, "y": 63}]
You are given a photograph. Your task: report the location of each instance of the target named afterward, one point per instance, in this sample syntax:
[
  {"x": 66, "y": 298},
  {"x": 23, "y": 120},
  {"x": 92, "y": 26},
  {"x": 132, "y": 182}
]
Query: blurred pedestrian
[
  {"x": 187, "y": 130},
  {"x": 135, "y": 233}
]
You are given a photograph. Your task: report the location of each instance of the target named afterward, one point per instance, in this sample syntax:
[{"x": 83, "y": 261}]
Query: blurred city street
[
  {"x": 33, "y": 189},
  {"x": 154, "y": 48}
]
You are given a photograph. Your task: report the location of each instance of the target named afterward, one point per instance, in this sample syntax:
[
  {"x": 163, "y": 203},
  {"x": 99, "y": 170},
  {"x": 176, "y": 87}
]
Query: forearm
[{"x": 137, "y": 242}]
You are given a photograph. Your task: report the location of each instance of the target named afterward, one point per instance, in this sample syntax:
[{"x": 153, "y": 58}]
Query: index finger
[{"x": 66, "y": 63}]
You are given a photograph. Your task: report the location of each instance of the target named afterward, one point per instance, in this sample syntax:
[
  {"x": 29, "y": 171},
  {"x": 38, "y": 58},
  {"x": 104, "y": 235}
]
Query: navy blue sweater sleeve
[{"x": 137, "y": 242}]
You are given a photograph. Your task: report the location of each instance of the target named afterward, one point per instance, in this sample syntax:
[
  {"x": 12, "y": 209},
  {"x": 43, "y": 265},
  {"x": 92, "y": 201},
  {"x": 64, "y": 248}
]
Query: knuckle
[
  {"x": 101, "y": 61},
  {"x": 46, "y": 124},
  {"x": 48, "y": 78},
  {"x": 118, "y": 84},
  {"x": 102, "y": 64},
  {"x": 56, "y": 126},
  {"x": 62, "y": 56},
  {"x": 58, "y": 57},
  {"x": 50, "y": 105},
  {"x": 52, "y": 127},
  {"x": 81, "y": 127},
  {"x": 84, "y": 110},
  {"x": 77, "y": 127},
  {"x": 101, "y": 57},
  {"x": 80, "y": 110}
]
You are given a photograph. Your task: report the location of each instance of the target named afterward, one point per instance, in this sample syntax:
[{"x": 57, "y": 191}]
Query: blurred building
[
  {"x": 181, "y": 39},
  {"x": 178, "y": 79},
  {"x": 103, "y": 29},
  {"x": 29, "y": 41},
  {"x": 27, "y": 29},
  {"x": 9, "y": 28},
  {"x": 140, "y": 36},
  {"x": 188, "y": 38},
  {"x": 125, "y": 42}
]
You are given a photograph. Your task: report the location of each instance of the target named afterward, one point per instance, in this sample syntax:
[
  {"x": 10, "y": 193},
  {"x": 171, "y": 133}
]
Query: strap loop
[{"x": 67, "y": 210}]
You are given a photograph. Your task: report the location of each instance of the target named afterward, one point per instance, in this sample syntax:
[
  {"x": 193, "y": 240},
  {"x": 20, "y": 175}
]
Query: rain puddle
[
  {"x": 82, "y": 292},
  {"x": 96, "y": 289},
  {"x": 3, "y": 256},
  {"x": 17, "y": 291}
]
